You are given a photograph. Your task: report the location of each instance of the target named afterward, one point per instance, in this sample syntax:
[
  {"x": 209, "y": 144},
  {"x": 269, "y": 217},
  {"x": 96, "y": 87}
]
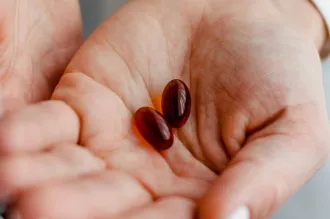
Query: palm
[
  {"x": 116, "y": 73},
  {"x": 35, "y": 48}
]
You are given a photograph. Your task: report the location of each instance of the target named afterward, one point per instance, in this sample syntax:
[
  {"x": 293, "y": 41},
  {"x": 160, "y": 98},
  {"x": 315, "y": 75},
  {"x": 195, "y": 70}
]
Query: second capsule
[{"x": 176, "y": 103}]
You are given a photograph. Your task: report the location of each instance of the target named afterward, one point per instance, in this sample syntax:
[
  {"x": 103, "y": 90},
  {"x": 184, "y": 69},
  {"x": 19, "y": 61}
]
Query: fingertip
[
  {"x": 234, "y": 133},
  {"x": 37, "y": 127}
]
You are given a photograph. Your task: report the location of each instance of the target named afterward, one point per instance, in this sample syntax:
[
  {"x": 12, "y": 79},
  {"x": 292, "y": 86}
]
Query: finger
[
  {"x": 37, "y": 127},
  {"x": 269, "y": 169},
  {"x": 22, "y": 172},
  {"x": 173, "y": 207},
  {"x": 99, "y": 196}
]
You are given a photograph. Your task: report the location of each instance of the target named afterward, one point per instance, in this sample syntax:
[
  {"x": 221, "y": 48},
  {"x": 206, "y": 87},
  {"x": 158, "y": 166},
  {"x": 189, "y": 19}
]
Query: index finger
[{"x": 38, "y": 127}]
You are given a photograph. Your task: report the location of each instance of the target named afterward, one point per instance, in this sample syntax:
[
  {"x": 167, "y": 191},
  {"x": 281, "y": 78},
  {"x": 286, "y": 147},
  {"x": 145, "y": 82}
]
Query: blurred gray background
[{"x": 312, "y": 201}]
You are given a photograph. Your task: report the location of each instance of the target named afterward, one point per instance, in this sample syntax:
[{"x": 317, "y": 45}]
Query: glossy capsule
[
  {"x": 154, "y": 128},
  {"x": 176, "y": 103}
]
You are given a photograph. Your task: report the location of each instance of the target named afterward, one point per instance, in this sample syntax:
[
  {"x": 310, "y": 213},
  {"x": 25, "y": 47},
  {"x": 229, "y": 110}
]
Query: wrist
[{"x": 306, "y": 18}]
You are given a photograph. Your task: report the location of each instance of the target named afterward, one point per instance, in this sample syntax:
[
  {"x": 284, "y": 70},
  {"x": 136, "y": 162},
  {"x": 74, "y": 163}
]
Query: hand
[
  {"x": 37, "y": 40},
  {"x": 258, "y": 117}
]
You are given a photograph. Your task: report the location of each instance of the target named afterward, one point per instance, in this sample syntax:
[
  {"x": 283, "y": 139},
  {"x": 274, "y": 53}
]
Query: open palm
[{"x": 257, "y": 117}]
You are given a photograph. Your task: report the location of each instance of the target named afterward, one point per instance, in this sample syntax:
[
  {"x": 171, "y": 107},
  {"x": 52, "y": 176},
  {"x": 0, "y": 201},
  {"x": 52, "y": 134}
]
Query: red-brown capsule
[
  {"x": 154, "y": 128},
  {"x": 176, "y": 103}
]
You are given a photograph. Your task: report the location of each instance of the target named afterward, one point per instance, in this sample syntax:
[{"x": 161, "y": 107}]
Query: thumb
[{"x": 273, "y": 164}]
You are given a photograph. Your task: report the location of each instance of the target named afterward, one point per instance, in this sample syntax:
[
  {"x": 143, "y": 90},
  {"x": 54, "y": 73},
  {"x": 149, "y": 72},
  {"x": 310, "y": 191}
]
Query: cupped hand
[
  {"x": 37, "y": 40},
  {"x": 257, "y": 132}
]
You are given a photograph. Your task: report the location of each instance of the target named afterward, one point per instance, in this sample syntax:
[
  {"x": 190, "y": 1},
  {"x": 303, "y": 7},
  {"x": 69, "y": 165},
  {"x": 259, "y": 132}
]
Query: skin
[
  {"x": 258, "y": 129},
  {"x": 37, "y": 40}
]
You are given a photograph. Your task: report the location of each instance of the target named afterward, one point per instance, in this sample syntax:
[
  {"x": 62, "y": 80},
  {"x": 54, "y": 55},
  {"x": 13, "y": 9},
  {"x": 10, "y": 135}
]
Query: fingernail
[
  {"x": 240, "y": 213},
  {"x": 15, "y": 215}
]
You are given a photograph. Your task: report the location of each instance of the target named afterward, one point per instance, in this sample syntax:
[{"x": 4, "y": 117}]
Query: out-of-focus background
[{"x": 312, "y": 201}]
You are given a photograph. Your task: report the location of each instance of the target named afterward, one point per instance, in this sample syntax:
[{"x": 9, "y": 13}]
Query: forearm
[{"x": 306, "y": 17}]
